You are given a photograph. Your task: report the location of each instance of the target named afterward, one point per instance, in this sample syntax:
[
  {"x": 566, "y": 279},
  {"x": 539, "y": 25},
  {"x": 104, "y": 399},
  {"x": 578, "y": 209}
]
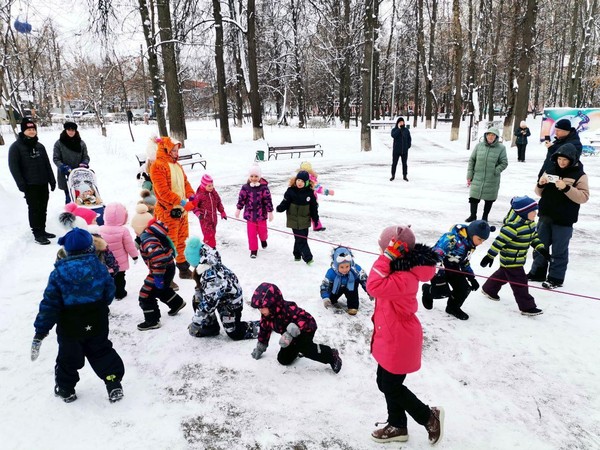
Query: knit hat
[
  {"x": 193, "y": 245},
  {"x": 523, "y": 205},
  {"x": 523, "y": 124},
  {"x": 140, "y": 220},
  {"x": 306, "y": 166},
  {"x": 479, "y": 228},
  {"x": 399, "y": 119},
  {"x": 303, "y": 175},
  {"x": 148, "y": 198},
  {"x": 70, "y": 126},
  {"x": 563, "y": 124},
  {"x": 255, "y": 170},
  {"x": 77, "y": 241},
  {"x": 401, "y": 233},
  {"x": 69, "y": 221},
  {"x": 86, "y": 214},
  {"x": 206, "y": 180},
  {"x": 27, "y": 123}
]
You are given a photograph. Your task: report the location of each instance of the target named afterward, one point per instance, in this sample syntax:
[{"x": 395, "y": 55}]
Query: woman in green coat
[{"x": 486, "y": 163}]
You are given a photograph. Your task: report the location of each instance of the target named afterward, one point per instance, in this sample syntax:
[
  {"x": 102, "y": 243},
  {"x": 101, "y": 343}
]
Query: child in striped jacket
[{"x": 516, "y": 236}]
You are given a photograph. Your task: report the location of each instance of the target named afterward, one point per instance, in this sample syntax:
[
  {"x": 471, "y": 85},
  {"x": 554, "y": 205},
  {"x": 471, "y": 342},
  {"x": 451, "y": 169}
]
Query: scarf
[{"x": 72, "y": 143}]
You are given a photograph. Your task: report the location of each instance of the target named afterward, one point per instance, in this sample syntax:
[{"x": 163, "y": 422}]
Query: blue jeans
[{"x": 556, "y": 239}]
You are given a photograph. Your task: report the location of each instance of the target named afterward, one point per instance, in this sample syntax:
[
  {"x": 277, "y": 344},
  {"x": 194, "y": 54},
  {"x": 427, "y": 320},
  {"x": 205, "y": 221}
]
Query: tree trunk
[
  {"x": 298, "y": 81},
  {"x": 458, "y": 52},
  {"x": 345, "y": 80},
  {"x": 240, "y": 85},
  {"x": 366, "y": 78},
  {"x": 174, "y": 98},
  {"x": 512, "y": 87},
  {"x": 492, "y": 84},
  {"x": 153, "y": 70},
  {"x": 221, "y": 80},
  {"x": 254, "y": 94}
]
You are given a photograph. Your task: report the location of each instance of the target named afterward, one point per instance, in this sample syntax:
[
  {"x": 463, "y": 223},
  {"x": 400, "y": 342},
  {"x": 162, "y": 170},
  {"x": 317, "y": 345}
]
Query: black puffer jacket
[
  {"x": 29, "y": 164},
  {"x": 571, "y": 138}
]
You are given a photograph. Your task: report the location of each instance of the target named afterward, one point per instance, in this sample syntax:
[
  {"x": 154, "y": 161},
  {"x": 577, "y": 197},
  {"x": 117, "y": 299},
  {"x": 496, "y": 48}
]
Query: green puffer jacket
[{"x": 485, "y": 166}]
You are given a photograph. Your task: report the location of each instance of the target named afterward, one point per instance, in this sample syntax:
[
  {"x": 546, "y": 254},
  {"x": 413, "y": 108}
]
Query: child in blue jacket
[
  {"x": 76, "y": 300},
  {"x": 343, "y": 278}
]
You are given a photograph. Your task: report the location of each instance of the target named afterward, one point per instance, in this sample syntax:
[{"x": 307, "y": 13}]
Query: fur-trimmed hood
[{"x": 421, "y": 255}]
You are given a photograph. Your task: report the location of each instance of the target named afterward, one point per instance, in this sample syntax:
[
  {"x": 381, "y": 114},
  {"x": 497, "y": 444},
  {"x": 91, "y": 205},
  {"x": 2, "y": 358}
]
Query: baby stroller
[{"x": 84, "y": 191}]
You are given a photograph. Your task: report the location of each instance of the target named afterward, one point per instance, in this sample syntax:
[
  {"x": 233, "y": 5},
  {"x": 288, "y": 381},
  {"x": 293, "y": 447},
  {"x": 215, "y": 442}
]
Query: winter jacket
[
  {"x": 522, "y": 138},
  {"x": 217, "y": 287},
  {"x": 105, "y": 256},
  {"x": 485, "y": 166},
  {"x": 571, "y": 138},
  {"x": 334, "y": 280},
  {"x": 158, "y": 253},
  {"x": 29, "y": 164},
  {"x": 301, "y": 206},
  {"x": 76, "y": 298},
  {"x": 515, "y": 237},
  {"x": 255, "y": 201},
  {"x": 281, "y": 313},
  {"x": 117, "y": 235},
  {"x": 455, "y": 248},
  {"x": 206, "y": 206},
  {"x": 402, "y": 140},
  {"x": 563, "y": 206},
  {"x": 69, "y": 151},
  {"x": 397, "y": 335}
]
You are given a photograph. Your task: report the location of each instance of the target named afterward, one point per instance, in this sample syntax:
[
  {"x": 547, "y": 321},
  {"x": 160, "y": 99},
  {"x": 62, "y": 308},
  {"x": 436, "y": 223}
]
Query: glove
[
  {"x": 84, "y": 165},
  {"x": 270, "y": 215},
  {"x": 473, "y": 282},
  {"x": 542, "y": 251},
  {"x": 159, "y": 281},
  {"x": 259, "y": 350},
  {"x": 237, "y": 213},
  {"x": 135, "y": 259},
  {"x": 191, "y": 198},
  {"x": 193, "y": 328},
  {"x": 188, "y": 206},
  {"x": 280, "y": 208},
  {"x": 65, "y": 169},
  {"x": 224, "y": 216},
  {"x": 371, "y": 298},
  {"x": 36, "y": 344},
  {"x": 395, "y": 249},
  {"x": 52, "y": 187},
  {"x": 487, "y": 261}
]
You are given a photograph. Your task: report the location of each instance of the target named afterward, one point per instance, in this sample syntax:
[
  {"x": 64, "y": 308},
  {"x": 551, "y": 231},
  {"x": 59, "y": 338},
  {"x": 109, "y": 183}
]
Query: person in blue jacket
[
  {"x": 343, "y": 278},
  {"x": 402, "y": 142},
  {"x": 76, "y": 299}
]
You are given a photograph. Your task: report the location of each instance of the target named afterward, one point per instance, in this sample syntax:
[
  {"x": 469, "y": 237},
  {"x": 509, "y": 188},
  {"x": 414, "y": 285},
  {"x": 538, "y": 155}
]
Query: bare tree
[
  {"x": 254, "y": 94},
  {"x": 367, "y": 76},
  {"x": 458, "y": 53},
  {"x": 221, "y": 80}
]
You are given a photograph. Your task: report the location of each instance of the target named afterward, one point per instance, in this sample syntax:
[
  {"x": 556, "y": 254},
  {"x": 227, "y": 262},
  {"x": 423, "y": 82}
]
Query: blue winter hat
[
  {"x": 341, "y": 255},
  {"x": 77, "y": 241},
  {"x": 479, "y": 228},
  {"x": 523, "y": 205},
  {"x": 193, "y": 245}
]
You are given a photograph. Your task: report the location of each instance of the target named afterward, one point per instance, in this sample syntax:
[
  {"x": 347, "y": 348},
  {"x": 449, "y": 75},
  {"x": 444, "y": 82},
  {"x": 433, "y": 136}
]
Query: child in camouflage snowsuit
[{"x": 217, "y": 291}]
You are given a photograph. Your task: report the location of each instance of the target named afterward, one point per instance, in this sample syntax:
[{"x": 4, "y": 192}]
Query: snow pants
[
  {"x": 351, "y": 296},
  {"x": 555, "y": 238},
  {"x": 256, "y": 230},
  {"x": 301, "y": 248},
  {"x": 304, "y": 344},
  {"x": 518, "y": 283}
]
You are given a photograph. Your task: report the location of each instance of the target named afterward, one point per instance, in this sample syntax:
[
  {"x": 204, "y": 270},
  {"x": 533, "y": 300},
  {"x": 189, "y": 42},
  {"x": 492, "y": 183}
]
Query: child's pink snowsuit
[{"x": 206, "y": 206}]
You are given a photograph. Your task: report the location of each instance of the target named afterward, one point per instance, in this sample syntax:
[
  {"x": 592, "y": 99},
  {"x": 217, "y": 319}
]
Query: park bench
[
  {"x": 382, "y": 123},
  {"x": 185, "y": 158},
  {"x": 276, "y": 150}
]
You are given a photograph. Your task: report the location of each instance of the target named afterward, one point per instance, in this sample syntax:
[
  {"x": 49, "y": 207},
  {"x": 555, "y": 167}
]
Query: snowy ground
[{"x": 505, "y": 380}]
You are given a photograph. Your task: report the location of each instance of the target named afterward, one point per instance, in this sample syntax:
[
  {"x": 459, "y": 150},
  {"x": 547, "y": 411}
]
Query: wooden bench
[
  {"x": 315, "y": 149},
  {"x": 185, "y": 158},
  {"x": 382, "y": 123}
]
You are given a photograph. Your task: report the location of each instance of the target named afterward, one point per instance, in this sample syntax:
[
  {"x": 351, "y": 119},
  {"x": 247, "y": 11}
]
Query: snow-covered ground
[{"x": 506, "y": 381}]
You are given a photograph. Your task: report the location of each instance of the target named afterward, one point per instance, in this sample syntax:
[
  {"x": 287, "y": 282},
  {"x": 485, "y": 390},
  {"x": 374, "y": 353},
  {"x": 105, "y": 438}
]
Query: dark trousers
[
  {"x": 67, "y": 196},
  {"x": 351, "y": 296},
  {"x": 511, "y": 275},
  {"x": 555, "y": 238},
  {"x": 120, "y": 285},
  {"x": 98, "y": 350},
  {"x": 404, "y": 158},
  {"x": 166, "y": 295},
  {"x": 301, "y": 248},
  {"x": 460, "y": 289},
  {"x": 304, "y": 344},
  {"x": 37, "y": 196},
  {"x": 487, "y": 207},
  {"x": 400, "y": 400},
  {"x": 521, "y": 151}
]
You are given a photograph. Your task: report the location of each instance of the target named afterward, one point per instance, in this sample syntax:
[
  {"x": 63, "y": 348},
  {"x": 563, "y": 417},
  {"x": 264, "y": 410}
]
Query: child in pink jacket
[
  {"x": 120, "y": 242},
  {"x": 207, "y": 204},
  {"x": 397, "y": 338}
]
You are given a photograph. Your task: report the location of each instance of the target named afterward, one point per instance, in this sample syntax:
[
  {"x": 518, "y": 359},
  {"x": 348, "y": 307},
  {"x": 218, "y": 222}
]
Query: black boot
[
  {"x": 184, "y": 270},
  {"x": 38, "y": 236},
  {"x": 151, "y": 320},
  {"x": 473, "y": 215},
  {"x": 487, "y": 207},
  {"x": 175, "y": 304}
]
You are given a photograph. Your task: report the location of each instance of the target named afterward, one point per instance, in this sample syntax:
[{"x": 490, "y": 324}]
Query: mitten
[
  {"x": 193, "y": 328},
  {"x": 487, "y": 261},
  {"x": 473, "y": 282},
  {"x": 259, "y": 350},
  {"x": 52, "y": 187},
  {"x": 188, "y": 206},
  {"x": 542, "y": 251},
  {"x": 287, "y": 337},
  {"x": 159, "y": 281},
  {"x": 65, "y": 169},
  {"x": 270, "y": 216},
  {"x": 135, "y": 259},
  {"x": 395, "y": 249},
  {"x": 237, "y": 213},
  {"x": 36, "y": 344},
  {"x": 371, "y": 298},
  {"x": 223, "y": 216},
  {"x": 280, "y": 208},
  {"x": 84, "y": 165}
]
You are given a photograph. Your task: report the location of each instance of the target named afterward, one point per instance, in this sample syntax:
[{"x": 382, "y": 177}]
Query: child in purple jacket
[
  {"x": 296, "y": 326},
  {"x": 255, "y": 200}
]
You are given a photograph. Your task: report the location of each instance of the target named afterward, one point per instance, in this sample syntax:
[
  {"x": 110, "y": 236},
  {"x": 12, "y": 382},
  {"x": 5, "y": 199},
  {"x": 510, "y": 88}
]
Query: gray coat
[
  {"x": 485, "y": 166},
  {"x": 64, "y": 155}
]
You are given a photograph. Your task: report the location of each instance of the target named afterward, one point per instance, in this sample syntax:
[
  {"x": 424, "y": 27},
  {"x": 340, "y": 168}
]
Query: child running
[{"x": 207, "y": 203}]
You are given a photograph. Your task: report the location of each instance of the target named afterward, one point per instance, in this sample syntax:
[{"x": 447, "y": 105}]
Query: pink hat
[
  {"x": 206, "y": 180},
  {"x": 401, "y": 233},
  {"x": 255, "y": 170},
  {"x": 86, "y": 214}
]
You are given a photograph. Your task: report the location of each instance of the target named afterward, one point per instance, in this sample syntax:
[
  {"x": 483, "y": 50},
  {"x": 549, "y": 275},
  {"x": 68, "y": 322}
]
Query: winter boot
[
  {"x": 151, "y": 320},
  {"x": 65, "y": 395},
  {"x": 263, "y": 244},
  {"x": 496, "y": 298},
  {"x": 457, "y": 312},
  {"x": 427, "y": 298},
  {"x": 538, "y": 276},
  {"x": 435, "y": 425},
  {"x": 38, "y": 236},
  {"x": 336, "y": 361},
  {"x": 48, "y": 235},
  {"x": 552, "y": 283},
  {"x": 253, "y": 254},
  {"x": 532, "y": 312},
  {"x": 405, "y": 178},
  {"x": 473, "y": 215},
  {"x": 390, "y": 433},
  {"x": 114, "y": 389},
  {"x": 487, "y": 207},
  {"x": 176, "y": 304},
  {"x": 174, "y": 286},
  {"x": 353, "y": 311},
  {"x": 184, "y": 270}
]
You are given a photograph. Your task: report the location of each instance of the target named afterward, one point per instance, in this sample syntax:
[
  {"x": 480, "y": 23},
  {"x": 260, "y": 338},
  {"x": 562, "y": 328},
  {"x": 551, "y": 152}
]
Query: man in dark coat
[
  {"x": 402, "y": 142},
  {"x": 30, "y": 167},
  {"x": 565, "y": 134}
]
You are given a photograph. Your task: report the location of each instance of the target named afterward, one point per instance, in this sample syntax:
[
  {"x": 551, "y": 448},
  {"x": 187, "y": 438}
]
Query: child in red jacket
[
  {"x": 206, "y": 205},
  {"x": 296, "y": 326},
  {"x": 397, "y": 336}
]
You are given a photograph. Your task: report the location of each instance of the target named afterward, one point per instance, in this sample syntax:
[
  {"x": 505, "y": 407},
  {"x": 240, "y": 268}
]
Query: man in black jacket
[
  {"x": 402, "y": 142},
  {"x": 30, "y": 167},
  {"x": 564, "y": 134}
]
